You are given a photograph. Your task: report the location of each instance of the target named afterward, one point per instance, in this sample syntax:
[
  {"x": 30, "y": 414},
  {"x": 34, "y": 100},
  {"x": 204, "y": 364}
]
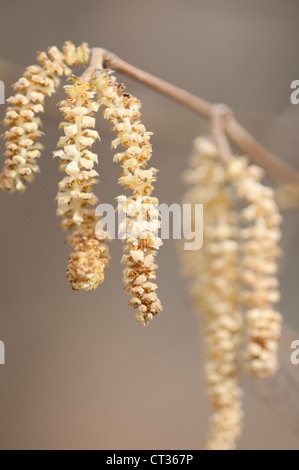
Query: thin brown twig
[
  {"x": 273, "y": 165},
  {"x": 95, "y": 65},
  {"x": 219, "y": 115}
]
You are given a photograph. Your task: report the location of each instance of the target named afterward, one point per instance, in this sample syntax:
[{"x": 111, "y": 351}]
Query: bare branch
[
  {"x": 219, "y": 115},
  {"x": 96, "y": 63},
  {"x": 274, "y": 166}
]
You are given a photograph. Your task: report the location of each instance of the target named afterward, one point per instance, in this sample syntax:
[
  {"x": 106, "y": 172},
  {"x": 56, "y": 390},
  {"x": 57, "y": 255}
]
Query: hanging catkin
[
  {"x": 75, "y": 197},
  {"x": 38, "y": 81},
  {"x": 214, "y": 289},
  {"x": 233, "y": 275},
  {"x": 142, "y": 223},
  {"x": 259, "y": 236}
]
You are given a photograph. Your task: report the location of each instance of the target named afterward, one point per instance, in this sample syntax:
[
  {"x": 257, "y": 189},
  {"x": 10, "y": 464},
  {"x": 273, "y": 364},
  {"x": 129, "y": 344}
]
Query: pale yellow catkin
[
  {"x": 234, "y": 275},
  {"x": 259, "y": 235},
  {"x": 38, "y": 81},
  {"x": 141, "y": 239},
  {"x": 214, "y": 272},
  {"x": 76, "y": 199}
]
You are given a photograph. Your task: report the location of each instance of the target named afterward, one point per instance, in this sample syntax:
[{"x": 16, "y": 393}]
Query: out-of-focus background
[{"x": 80, "y": 372}]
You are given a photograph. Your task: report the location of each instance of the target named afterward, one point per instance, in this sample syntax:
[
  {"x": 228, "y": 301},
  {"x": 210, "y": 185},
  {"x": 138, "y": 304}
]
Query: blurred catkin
[
  {"x": 214, "y": 289},
  {"x": 259, "y": 235},
  {"x": 233, "y": 280}
]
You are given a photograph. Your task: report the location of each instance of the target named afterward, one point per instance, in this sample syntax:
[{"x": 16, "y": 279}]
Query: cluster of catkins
[
  {"x": 232, "y": 280},
  {"x": 76, "y": 200},
  {"x": 38, "y": 81},
  {"x": 233, "y": 276}
]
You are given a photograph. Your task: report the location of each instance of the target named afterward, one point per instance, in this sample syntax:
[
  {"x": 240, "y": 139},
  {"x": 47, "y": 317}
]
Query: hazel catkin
[
  {"x": 75, "y": 198},
  {"x": 140, "y": 209},
  {"x": 213, "y": 271},
  {"x": 259, "y": 235}
]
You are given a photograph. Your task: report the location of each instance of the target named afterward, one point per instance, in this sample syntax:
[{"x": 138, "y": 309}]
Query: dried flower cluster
[
  {"x": 75, "y": 197},
  {"x": 215, "y": 291},
  {"x": 259, "y": 236},
  {"x": 141, "y": 225},
  {"x": 233, "y": 276},
  {"x": 38, "y": 81}
]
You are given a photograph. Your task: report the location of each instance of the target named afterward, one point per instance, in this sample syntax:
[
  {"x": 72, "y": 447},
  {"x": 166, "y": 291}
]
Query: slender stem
[
  {"x": 178, "y": 94},
  {"x": 96, "y": 63},
  {"x": 274, "y": 166},
  {"x": 219, "y": 115}
]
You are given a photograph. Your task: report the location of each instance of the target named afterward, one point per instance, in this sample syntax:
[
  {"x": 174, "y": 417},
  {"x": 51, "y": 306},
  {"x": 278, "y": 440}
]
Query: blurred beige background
[{"x": 80, "y": 372}]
